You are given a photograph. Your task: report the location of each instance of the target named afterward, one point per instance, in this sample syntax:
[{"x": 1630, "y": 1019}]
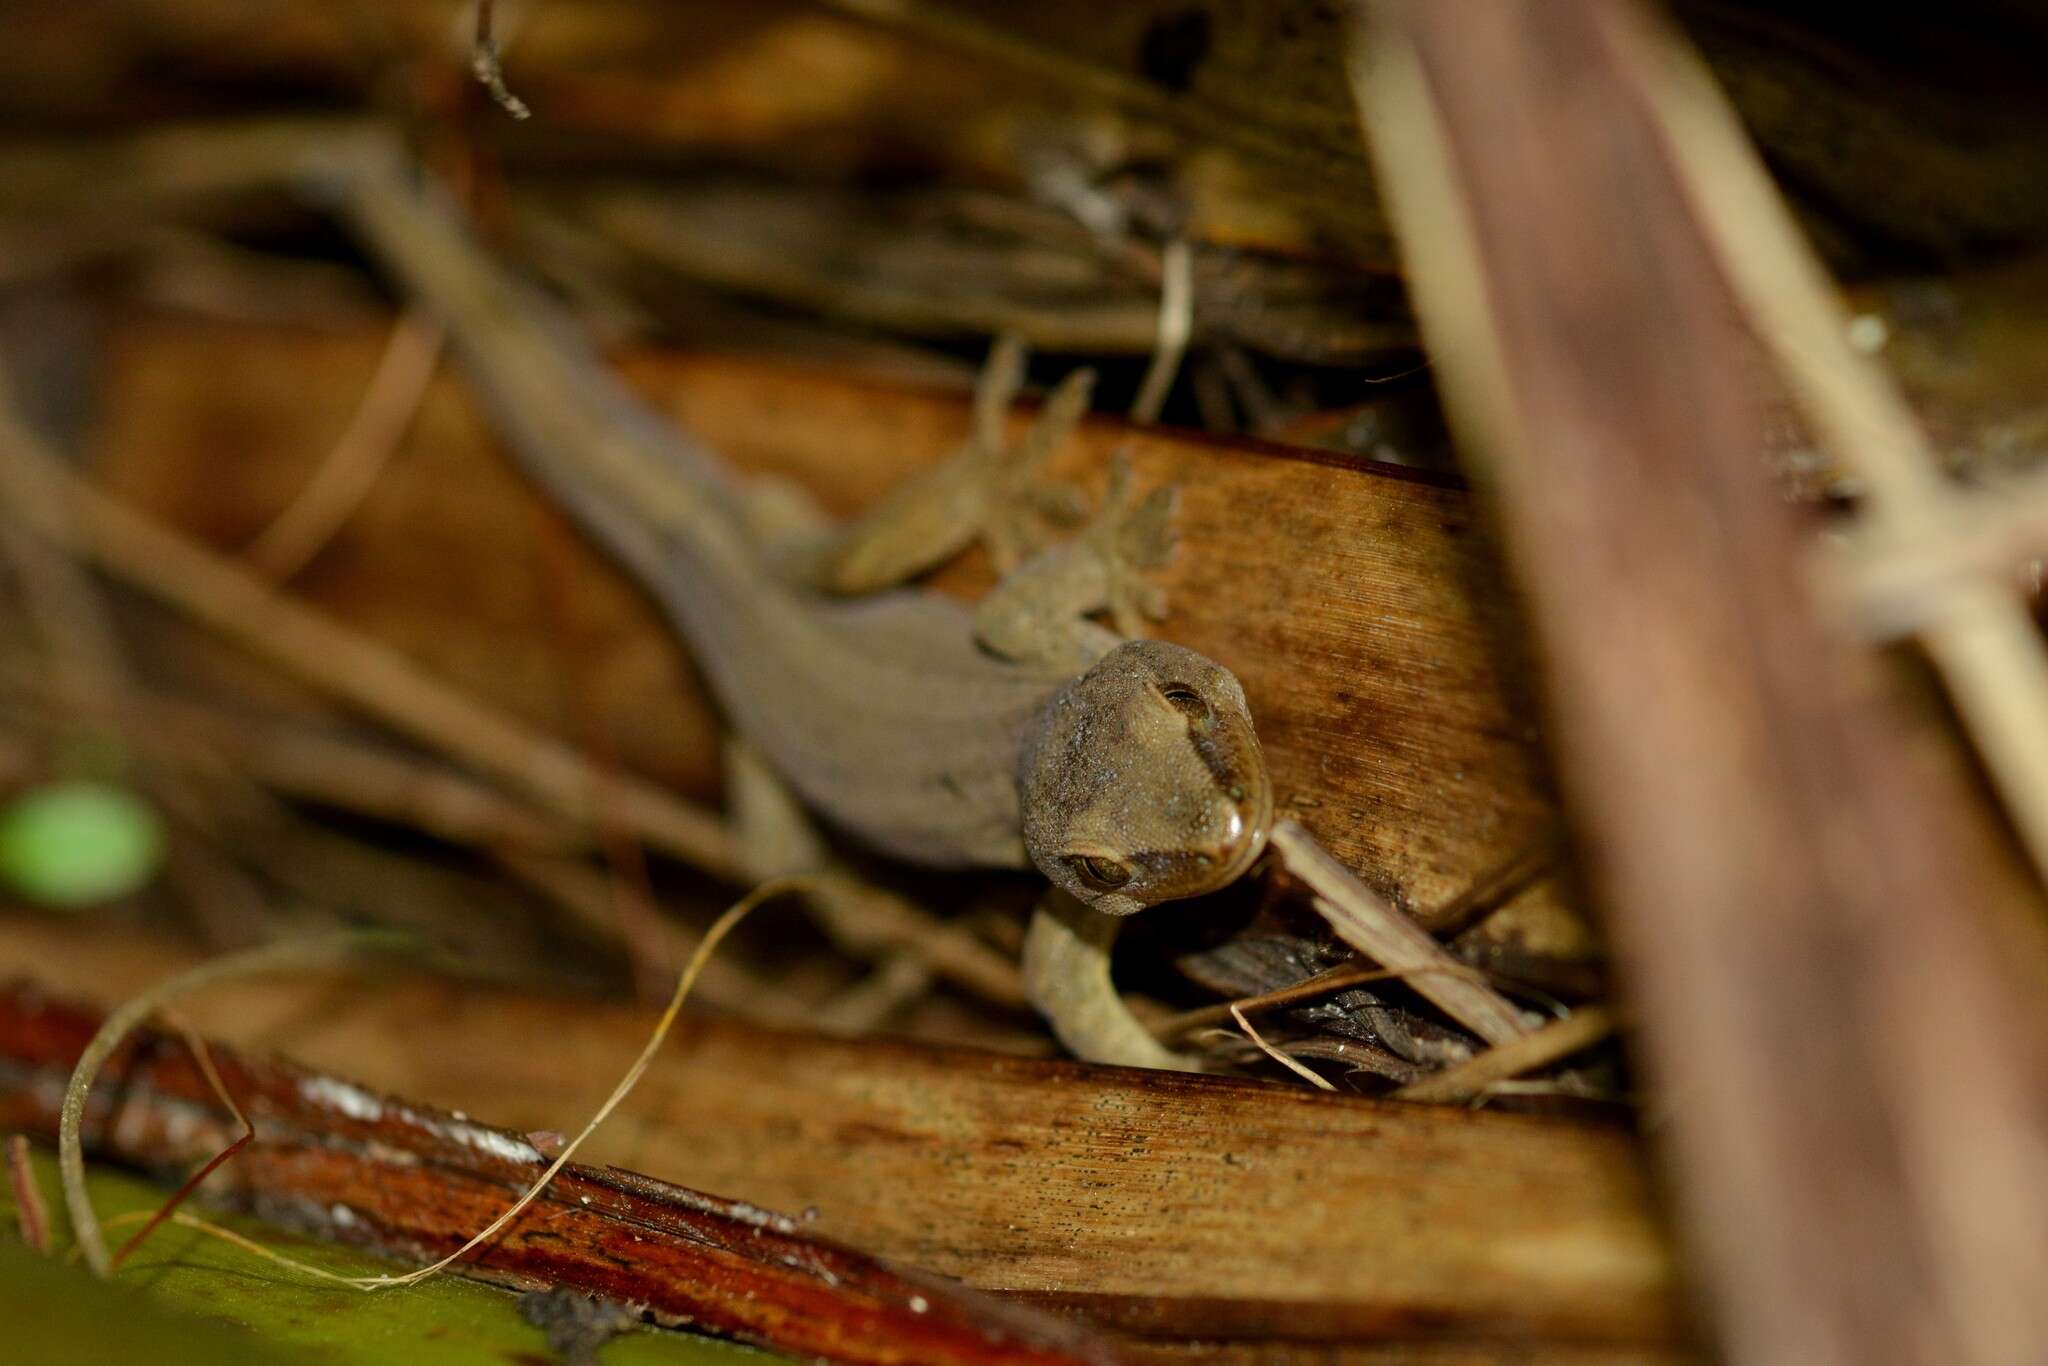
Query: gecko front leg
[
  {"x": 1041, "y": 610},
  {"x": 1066, "y": 972}
]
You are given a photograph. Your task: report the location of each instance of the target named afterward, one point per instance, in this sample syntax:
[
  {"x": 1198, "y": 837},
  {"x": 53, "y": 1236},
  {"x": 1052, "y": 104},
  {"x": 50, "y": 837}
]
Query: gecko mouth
[
  {"x": 1244, "y": 851},
  {"x": 1243, "y": 829},
  {"x": 1185, "y": 873}
]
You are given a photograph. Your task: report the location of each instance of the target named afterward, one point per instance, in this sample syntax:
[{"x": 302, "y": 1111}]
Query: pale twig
[
  {"x": 1896, "y": 586},
  {"x": 586, "y": 895},
  {"x": 1367, "y": 923},
  {"x": 1320, "y": 1081},
  {"x": 332, "y": 769},
  {"x": 365, "y": 447},
  {"x": 361, "y": 671},
  {"x": 630, "y": 892},
  {"x": 1477, "y": 900},
  {"x": 723, "y": 926},
  {"x": 228, "y": 907},
  {"x": 82, "y": 673},
  {"x": 1342, "y": 977},
  {"x": 485, "y": 65},
  {"x": 377, "y": 781},
  {"x": 860, "y": 917},
  {"x": 1980, "y": 636},
  {"x": 84, "y": 654},
  {"x": 1977, "y": 1221},
  {"x": 1176, "y": 326},
  {"x": 1474, "y": 1077},
  {"x": 28, "y": 1199},
  {"x": 896, "y": 980}
]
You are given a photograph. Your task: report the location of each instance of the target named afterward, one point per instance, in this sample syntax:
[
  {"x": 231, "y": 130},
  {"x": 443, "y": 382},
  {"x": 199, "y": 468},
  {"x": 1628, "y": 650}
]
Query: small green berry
[{"x": 77, "y": 843}]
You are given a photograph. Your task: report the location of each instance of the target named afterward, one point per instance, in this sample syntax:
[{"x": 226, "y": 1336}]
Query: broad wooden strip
[
  {"x": 1165, "y": 1204},
  {"x": 1345, "y": 596}
]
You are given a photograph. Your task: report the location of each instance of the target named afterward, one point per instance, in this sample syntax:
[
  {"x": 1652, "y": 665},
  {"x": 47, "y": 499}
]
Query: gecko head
[{"x": 1142, "y": 780}]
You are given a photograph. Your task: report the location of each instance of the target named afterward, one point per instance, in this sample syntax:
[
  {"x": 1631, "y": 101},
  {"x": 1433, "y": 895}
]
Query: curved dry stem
[
  {"x": 315, "y": 952},
  {"x": 291, "y": 954},
  {"x": 344, "y": 479},
  {"x": 1176, "y": 327},
  {"x": 242, "y": 1241},
  {"x": 1309, "y": 1075},
  {"x": 723, "y": 926}
]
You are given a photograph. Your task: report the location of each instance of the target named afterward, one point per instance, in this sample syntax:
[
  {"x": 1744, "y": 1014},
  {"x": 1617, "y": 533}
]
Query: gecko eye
[
  {"x": 1102, "y": 873},
  {"x": 1186, "y": 701}
]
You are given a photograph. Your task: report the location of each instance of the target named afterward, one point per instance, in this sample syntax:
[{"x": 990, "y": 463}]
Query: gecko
[{"x": 1016, "y": 734}]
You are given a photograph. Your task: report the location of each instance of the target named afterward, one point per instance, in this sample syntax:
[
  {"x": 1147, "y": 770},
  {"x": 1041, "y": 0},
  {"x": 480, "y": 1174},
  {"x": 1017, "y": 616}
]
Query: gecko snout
[{"x": 1143, "y": 781}]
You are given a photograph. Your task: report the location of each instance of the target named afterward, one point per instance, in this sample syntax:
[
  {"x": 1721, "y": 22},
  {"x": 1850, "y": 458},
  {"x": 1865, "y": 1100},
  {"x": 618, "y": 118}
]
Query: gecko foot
[
  {"x": 1018, "y": 504},
  {"x": 1041, "y": 609},
  {"x": 1132, "y": 539}
]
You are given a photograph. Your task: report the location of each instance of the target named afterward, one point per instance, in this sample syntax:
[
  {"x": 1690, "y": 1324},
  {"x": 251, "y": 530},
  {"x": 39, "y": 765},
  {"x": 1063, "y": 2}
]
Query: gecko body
[{"x": 1128, "y": 772}]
